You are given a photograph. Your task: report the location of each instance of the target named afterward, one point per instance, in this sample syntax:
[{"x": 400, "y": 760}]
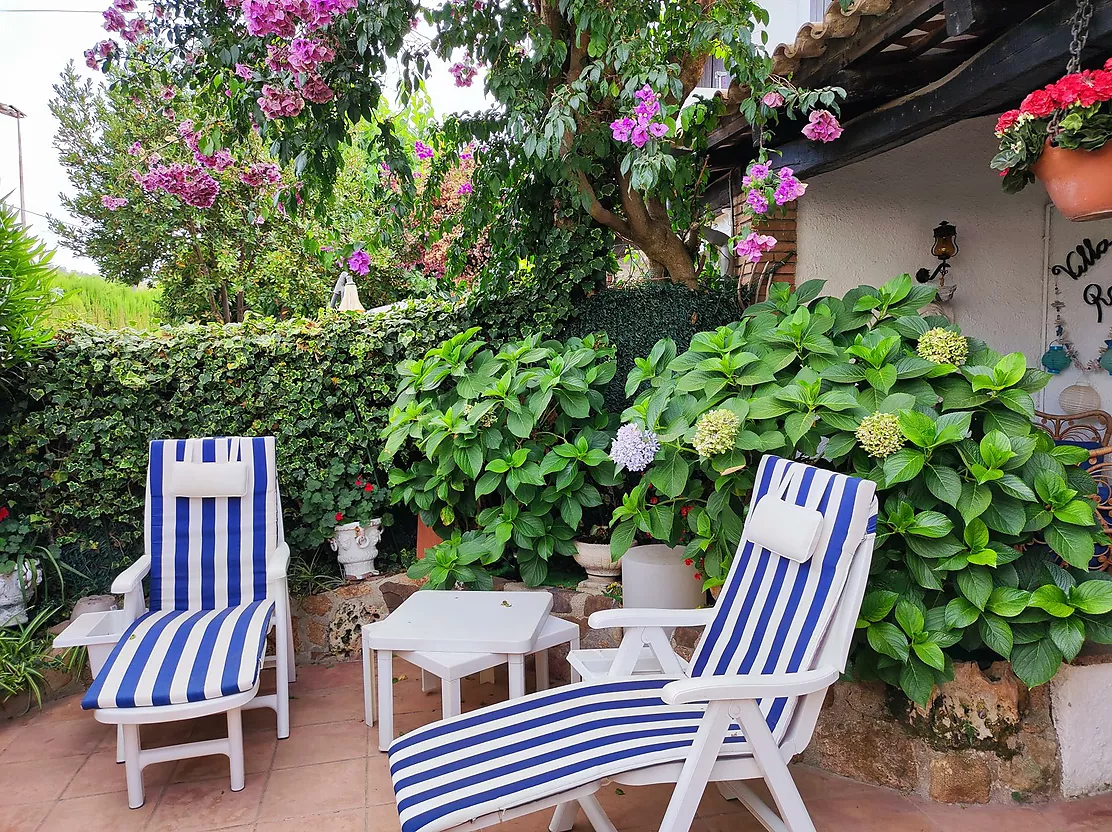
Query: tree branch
[{"x": 600, "y": 213}]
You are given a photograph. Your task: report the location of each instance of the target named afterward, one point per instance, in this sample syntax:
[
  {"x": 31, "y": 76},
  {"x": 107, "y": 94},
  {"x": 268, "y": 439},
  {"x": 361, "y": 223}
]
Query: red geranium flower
[
  {"x": 339, "y": 516},
  {"x": 697, "y": 576},
  {"x": 687, "y": 561},
  {"x": 368, "y": 487},
  {"x": 1102, "y": 84},
  {"x": 3, "y": 513},
  {"x": 1039, "y": 104},
  {"x": 358, "y": 481},
  {"x": 685, "y": 511},
  {"x": 1007, "y": 120}
]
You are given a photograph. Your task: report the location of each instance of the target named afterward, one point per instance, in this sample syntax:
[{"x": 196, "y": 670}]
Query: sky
[
  {"x": 35, "y": 46},
  {"x": 34, "y": 49}
]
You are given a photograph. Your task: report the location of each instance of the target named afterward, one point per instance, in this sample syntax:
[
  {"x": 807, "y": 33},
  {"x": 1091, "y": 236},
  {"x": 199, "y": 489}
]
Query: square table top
[{"x": 466, "y": 622}]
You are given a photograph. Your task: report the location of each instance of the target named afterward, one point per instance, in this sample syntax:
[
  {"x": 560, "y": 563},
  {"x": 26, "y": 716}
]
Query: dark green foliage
[
  {"x": 73, "y": 454},
  {"x": 635, "y": 318}
]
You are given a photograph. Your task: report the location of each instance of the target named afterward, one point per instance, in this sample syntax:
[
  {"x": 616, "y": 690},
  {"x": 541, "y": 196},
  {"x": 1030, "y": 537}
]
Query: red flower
[
  {"x": 697, "y": 576},
  {"x": 3, "y": 513},
  {"x": 1039, "y": 104},
  {"x": 685, "y": 511},
  {"x": 1007, "y": 120},
  {"x": 654, "y": 500},
  {"x": 339, "y": 516},
  {"x": 368, "y": 487},
  {"x": 1102, "y": 84},
  {"x": 358, "y": 481},
  {"x": 687, "y": 561}
]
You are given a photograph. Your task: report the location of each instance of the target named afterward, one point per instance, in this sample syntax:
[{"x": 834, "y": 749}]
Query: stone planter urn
[
  {"x": 15, "y": 593},
  {"x": 601, "y": 569},
  {"x": 356, "y": 547}
]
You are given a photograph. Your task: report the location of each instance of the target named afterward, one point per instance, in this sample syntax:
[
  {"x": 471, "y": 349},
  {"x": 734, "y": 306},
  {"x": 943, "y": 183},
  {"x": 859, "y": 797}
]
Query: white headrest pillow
[
  {"x": 784, "y": 528},
  {"x": 206, "y": 479}
]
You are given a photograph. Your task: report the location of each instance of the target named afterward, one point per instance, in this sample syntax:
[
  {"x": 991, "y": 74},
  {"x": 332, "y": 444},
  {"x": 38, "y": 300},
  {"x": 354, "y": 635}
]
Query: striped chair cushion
[
  {"x": 771, "y": 618},
  {"x": 514, "y": 752},
  {"x": 210, "y": 552},
  {"x": 175, "y": 656}
]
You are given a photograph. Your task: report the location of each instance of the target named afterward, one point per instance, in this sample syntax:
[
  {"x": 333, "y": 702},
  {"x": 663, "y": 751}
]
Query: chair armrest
[
  {"x": 650, "y": 618},
  {"x": 712, "y": 688},
  {"x": 278, "y": 562},
  {"x": 132, "y": 578}
]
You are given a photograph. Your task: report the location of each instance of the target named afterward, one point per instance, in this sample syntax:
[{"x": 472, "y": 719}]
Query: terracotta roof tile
[{"x": 812, "y": 38}]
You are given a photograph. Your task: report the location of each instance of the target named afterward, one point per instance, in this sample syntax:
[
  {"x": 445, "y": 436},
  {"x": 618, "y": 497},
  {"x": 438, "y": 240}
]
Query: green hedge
[
  {"x": 73, "y": 450},
  {"x": 635, "y": 318}
]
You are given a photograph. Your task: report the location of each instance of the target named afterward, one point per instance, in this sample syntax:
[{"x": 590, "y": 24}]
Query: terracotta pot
[
  {"x": 1079, "y": 182},
  {"x": 426, "y": 538}
]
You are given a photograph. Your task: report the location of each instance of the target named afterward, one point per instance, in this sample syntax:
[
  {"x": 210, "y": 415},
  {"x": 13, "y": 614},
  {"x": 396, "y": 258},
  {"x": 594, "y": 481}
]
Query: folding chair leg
[
  {"x": 696, "y": 770},
  {"x": 235, "y": 748},
  {"x": 132, "y": 767},
  {"x": 283, "y": 662},
  {"x": 766, "y": 753},
  {"x": 292, "y": 671},
  {"x": 120, "y": 743},
  {"x": 563, "y": 819},
  {"x": 596, "y": 814}
]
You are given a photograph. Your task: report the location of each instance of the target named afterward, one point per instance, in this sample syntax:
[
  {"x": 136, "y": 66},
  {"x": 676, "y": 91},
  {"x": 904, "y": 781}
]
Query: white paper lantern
[{"x": 1079, "y": 398}]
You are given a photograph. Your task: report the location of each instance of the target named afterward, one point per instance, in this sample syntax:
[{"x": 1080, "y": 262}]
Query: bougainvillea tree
[{"x": 592, "y": 114}]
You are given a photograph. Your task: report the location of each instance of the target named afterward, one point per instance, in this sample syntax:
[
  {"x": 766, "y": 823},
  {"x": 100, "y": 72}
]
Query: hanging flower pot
[{"x": 1079, "y": 182}]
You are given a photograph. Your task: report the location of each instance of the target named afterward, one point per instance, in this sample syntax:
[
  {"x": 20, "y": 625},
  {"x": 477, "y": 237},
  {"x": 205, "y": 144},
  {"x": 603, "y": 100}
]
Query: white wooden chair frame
[
  {"x": 731, "y": 699},
  {"x": 129, "y": 750}
]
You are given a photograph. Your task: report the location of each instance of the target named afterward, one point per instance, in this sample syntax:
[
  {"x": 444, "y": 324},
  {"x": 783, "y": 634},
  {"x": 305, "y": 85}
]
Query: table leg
[
  {"x": 429, "y": 681},
  {"x": 450, "y": 698},
  {"x": 486, "y": 677},
  {"x": 385, "y": 699},
  {"x": 368, "y": 685},
  {"x": 541, "y": 658},
  {"x": 516, "y": 663},
  {"x": 574, "y": 674}
]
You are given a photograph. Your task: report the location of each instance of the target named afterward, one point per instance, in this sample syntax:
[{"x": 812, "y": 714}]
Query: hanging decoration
[
  {"x": 1062, "y": 353},
  {"x": 1079, "y": 398}
]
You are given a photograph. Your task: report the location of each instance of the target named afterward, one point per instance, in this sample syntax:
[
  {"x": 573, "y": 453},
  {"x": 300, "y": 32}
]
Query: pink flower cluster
[
  {"x": 306, "y": 53},
  {"x": 645, "y": 125},
  {"x": 359, "y": 262},
  {"x": 822, "y": 126},
  {"x": 773, "y": 100},
  {"x": 220, "y": 161},
  {"x": 422, "y": 150},
  {"x": 766, "y": 187},
  {"x": 189, "y": 183},
  {"x": 115, "y": 21},
  {"x": 754, "y": 246},
  {"x": 98, "y": 53},
  {"x": 261, "y": 174},
  {"x": 276, "y": 102},
  {"x": 281, "y": 17},
  {"x": 464, "y": 72},
  {"x": 1081, "y": 89},
  {"x": 113, "y": 203},
  {"x": 465, "y": 189}
]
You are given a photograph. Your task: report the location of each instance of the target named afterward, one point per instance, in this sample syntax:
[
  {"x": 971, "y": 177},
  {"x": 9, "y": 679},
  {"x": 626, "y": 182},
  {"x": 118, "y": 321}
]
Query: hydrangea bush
[
  {"x": 505, "y": 448},
  {"x": 985, "y": 530}
]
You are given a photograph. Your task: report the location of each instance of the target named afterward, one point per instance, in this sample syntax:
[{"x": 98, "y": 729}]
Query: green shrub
[
  {"x": 635, "y": 317},
  {"x": 25, "y": 272},
  {"x": 73, "y": 452},
  {"x": 968, "y": 486},
  {"x": 90, "y": 299},
  {"x": 510, "y": 443}
]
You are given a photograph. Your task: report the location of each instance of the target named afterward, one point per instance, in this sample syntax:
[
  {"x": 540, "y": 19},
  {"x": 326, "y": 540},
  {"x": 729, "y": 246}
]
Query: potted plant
[
  {"x": 1059, "y": 135},
  {"x": 19, "y": 578},
  {"x": 351, "y": 518}
]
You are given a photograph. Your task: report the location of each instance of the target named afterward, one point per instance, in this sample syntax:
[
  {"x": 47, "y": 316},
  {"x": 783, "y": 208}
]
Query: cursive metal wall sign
[{"x": 1078, "y": 263}]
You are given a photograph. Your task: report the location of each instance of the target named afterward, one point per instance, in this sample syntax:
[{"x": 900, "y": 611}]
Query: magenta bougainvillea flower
[
  {"x": 753, "y": 246},
  {"x": 359, "y": 262},
  {"x": 822, "y": 126},
  {"x": 113, "y": 203},
  {"x": 422, "y": 150}
]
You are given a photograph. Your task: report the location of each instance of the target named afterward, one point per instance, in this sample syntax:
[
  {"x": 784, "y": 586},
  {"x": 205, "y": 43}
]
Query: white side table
[{"x": 506, "y": 624}]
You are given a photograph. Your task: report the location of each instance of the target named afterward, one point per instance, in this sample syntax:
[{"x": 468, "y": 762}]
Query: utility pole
[{"x": 9, "y": 110}]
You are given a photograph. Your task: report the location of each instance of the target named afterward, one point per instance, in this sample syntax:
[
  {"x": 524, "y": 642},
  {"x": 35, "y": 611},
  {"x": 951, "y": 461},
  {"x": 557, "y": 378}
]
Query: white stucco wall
[
  {"x": 1080, "y": 693},
  {"x": 871, "y": 221}
]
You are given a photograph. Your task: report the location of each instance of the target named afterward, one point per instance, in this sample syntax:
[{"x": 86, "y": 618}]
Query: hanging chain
[{"x": 1079, "y": 29}]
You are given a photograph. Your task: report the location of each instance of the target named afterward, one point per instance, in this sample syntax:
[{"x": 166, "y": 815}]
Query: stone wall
[{"x": 984, "y": 737}]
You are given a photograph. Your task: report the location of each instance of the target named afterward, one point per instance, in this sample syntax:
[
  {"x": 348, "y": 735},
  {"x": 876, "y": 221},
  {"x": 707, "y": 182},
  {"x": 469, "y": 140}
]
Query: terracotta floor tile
[
  {"x": 49, "y": 780},
  {"x": 43, "y": 739},
  {"x": 351, "y": 820},
  {"x": 23, "y": 818},
  {"x": 101, "y": 774},
  {"x": 887, "y": 812},
  {"x": 208, "y": 804},
  {"x": 258, "y": 753},
  {"x": 992, "y": 817},
  {"x": 323, "y": 743},
  {"x": 331, "y": 676},
  {"x": 9, "y": 728},
  {"x": 99, "y": 813},
  {"x": 317, "y": 706},
  {"x": 814, "y": 783},
  {"x": 633, "y": 806},
  {"x": 383, "y": 819},
  {"x": 311, "y": 790}
]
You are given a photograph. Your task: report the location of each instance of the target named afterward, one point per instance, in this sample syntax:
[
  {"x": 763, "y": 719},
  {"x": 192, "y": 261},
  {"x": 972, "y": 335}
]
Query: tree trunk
[{"x": 662, "y": 246}]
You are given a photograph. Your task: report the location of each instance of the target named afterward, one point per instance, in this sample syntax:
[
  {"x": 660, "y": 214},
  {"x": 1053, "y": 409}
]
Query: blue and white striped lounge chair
[
  {"x": 216, "y": 555},
  {"x": 747, "y": 703}
]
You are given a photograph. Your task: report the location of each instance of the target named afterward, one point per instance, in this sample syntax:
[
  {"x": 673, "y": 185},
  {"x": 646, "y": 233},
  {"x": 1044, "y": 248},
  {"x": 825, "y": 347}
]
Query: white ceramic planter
[
  {"x": 13, "y": 596},
  {"x": 601, "y": 569},
  {"x": 356, "y": 547}
]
